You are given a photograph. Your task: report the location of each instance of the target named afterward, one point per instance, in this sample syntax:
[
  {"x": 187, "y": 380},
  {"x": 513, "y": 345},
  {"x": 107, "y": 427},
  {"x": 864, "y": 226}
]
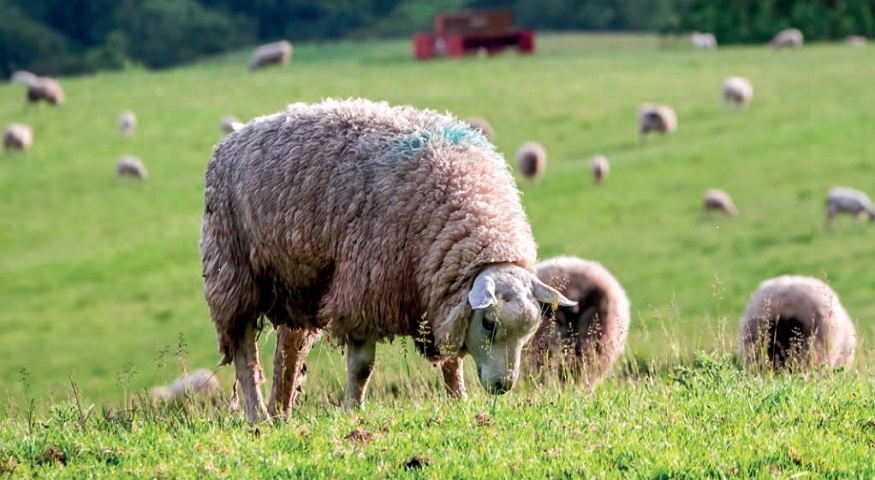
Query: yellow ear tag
[{"x": 555, "y": 304}]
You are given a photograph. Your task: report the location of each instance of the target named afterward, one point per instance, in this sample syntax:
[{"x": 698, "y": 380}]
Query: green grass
[{"x": 100, "y": 281}]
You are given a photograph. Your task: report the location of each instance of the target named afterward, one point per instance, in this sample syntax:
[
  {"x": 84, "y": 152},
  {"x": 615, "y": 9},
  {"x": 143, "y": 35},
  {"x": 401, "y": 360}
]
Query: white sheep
[
  {"x": 719, "y": 201},
  {"x": 849, "y": 201},
  {"x": 369, "y": 222},
  {"x": 127, "y": 121},
  {"x": 22, "y": 77},
  {"x": 229, "y": 124},
  {"x": 581, "y": 341},
  {"x": 790, "y": 37},
  {"x": 798, "y": 322},
  {"x": 17, "y": 136},
  {"x": 45, "y": 89},
  {"x": 857, "y": 40},
  {"x": 600, "y": 168},
  {"x": 705, "y": 41},
  {"x": 531, "y": 159},
  {"x": 128, "y": 166},
  {"x": 737, "y": 91},
  {"x": 481, "y": 124},
  {"x": 200, "y": 383},
  {"x": 276, "y": 53},
  {"x": 656, "y": 118}
]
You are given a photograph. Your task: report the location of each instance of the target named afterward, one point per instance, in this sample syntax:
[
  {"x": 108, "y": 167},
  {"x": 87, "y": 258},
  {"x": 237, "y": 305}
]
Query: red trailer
[{"x": 471, "y": 31}]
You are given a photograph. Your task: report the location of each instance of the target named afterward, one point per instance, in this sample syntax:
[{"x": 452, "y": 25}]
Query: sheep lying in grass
[
  {"x": 200, "y": 383},
  {"x": 704, "y": 41},
  {"x": 369, "y": 222},
  {"x": 482, "y": 125},
  {"x": 127, "y": 121},
  {"x": 17, "y": 136},
  {"x": 229, "y": 124},
  {"x": 531, "y": 158},
  {"x": 656, "y": 118},
  {"x": 737, "y": 91},
  {"x": 581, "y": 341},
  {"x": 796, "y": 322},
  {"x": 716, "y": 200},
  {"x": 600, "y": 168},
  {"x": 790, "y": 37},
  {"x": 45, "y": 89},
  {"x": 128, "y": 166},
  {"x": 849, "y": 201},
  {"x": 276, "y": 53}
]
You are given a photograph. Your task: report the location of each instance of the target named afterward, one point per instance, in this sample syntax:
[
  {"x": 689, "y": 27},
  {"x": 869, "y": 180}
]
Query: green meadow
[{"x": 101, "y": 294}]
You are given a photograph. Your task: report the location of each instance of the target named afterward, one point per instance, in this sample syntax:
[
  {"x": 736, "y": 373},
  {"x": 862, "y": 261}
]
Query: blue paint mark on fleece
[{"x": 409, "y": 146}]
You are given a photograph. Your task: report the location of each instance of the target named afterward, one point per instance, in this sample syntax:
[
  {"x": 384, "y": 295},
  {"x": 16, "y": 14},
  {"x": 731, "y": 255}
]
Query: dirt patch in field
[
  {"x": 52, "y": 454},
  {"x": 359, "y": 435},
  {"x": 417, "y": 462}
]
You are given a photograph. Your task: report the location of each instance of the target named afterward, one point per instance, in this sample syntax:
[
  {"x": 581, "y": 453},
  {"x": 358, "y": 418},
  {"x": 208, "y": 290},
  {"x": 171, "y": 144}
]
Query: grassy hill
[{"x": 100, "y": 280}]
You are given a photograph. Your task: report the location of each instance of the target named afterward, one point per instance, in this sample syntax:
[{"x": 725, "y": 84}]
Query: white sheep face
[{"x": 505, "y": 315}]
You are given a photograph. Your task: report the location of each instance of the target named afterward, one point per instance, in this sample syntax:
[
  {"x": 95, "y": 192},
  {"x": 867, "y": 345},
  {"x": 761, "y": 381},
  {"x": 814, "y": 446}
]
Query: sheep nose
[{"x": 500, "y": 386}]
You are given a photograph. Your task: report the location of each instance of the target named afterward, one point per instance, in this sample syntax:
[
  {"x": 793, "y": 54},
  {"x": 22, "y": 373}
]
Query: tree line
[{"x": 78, "y": 36}]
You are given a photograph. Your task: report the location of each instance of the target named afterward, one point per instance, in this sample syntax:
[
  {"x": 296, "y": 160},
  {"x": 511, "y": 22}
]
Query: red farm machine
[{"x": 469, "y": 32}]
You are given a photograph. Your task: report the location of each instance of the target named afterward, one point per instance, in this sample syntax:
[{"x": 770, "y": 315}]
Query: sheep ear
[
  {"x": 546, "y": 294},
  {"x": 482, "y": 294},
  {"x": 450, "y": 334}
]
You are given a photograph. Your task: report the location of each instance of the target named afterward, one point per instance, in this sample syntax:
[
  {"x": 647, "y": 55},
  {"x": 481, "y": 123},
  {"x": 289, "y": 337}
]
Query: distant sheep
[
  {"x": 128, "y": 166},
  {"x": 276, "y": 53},
  {"x": 703, "y": 40},
  {"x": 737, "y": 91},
  {"x": 230, "y": 124},
  {"x": 600, "y": 168},
  {"x": 790, "y": 38},
  {"x": 369, "y": 222},
  {"x": 200, "y": 383},
  {"x": 797, "y": 322},
  {"x": 857, "y": 41},
  {"x": 17, "y": 136},
  {"x": 719, "y": 201},
  {"x": 583, "y": 341},
  {"x": 656, "y": 118},
  {"x": 531, "y": 158},
  {"x": 849, "y": 201},
  {"x": 127, "y": 121},
  {"x": 482, "y": 125},
  {"x": 22, "y": 77},
  {"x": 45, "y": 89}
]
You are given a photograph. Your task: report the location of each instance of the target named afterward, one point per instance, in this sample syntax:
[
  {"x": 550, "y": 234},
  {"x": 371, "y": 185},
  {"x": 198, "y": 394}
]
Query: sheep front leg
[
  {"x": 360, "y": 357},
  {"x": 289, "y": 369},
  {"x": 250, "y": 376},
  {"x": 453, "y": 378}
]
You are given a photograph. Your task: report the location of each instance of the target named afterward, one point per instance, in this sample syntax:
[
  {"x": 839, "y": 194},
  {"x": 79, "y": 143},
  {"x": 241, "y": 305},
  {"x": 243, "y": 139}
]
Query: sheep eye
[{"x": 488, "y": 324}]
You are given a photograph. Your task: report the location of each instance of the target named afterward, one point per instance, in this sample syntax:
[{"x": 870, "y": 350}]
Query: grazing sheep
[
  {"x": 737, "y": 91},
  {"x": 857, "y": 41},
  {"x": 656, "y": 118},
  {"x": 369, "y": 222},
  {"x": 22, "y": 77},
  {"x": 795, "y": 321},
  {"x": 276, "y": 53},
  {"x": 790, "y": 37},
  {"x": 200, "y": 383},
  {"x": 600, "y": 169},
  {"x": 705, "y": 41},
  {"x": 127, "y": 121},
  {"x": 45, "y": 89},
  {"x": 128, "y": 166},
  {"x": 17, "y": 136},
  {"x": 531, "y": 158},
  {"x": 850, "y": 201},
  {"x": 586, "y": 339},
  {"x": 719, "y": 201},
  {"x": 481, "y": 124},
  {"x": 229, "y": 124}
]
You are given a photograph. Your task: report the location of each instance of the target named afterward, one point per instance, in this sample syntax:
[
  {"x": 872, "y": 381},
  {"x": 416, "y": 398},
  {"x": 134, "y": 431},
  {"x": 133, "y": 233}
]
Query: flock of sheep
[{"x": 364, "y": 221}]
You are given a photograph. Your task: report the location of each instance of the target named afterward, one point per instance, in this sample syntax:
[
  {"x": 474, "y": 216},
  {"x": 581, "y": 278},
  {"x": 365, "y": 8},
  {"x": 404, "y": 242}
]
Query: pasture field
[{"x": 101, "y": 294}]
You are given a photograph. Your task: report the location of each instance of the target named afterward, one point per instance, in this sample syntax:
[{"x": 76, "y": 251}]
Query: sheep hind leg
[
  {"x": 289, "y": 368},
  {"x": 454, "y": 378},
  {"x": 360, "y": 356},
  {"x": 250, "y": 376}
]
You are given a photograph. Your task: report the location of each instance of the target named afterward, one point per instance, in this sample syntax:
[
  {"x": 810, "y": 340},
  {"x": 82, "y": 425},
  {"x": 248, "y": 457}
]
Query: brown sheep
[{"x": 276, "y": 53}]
